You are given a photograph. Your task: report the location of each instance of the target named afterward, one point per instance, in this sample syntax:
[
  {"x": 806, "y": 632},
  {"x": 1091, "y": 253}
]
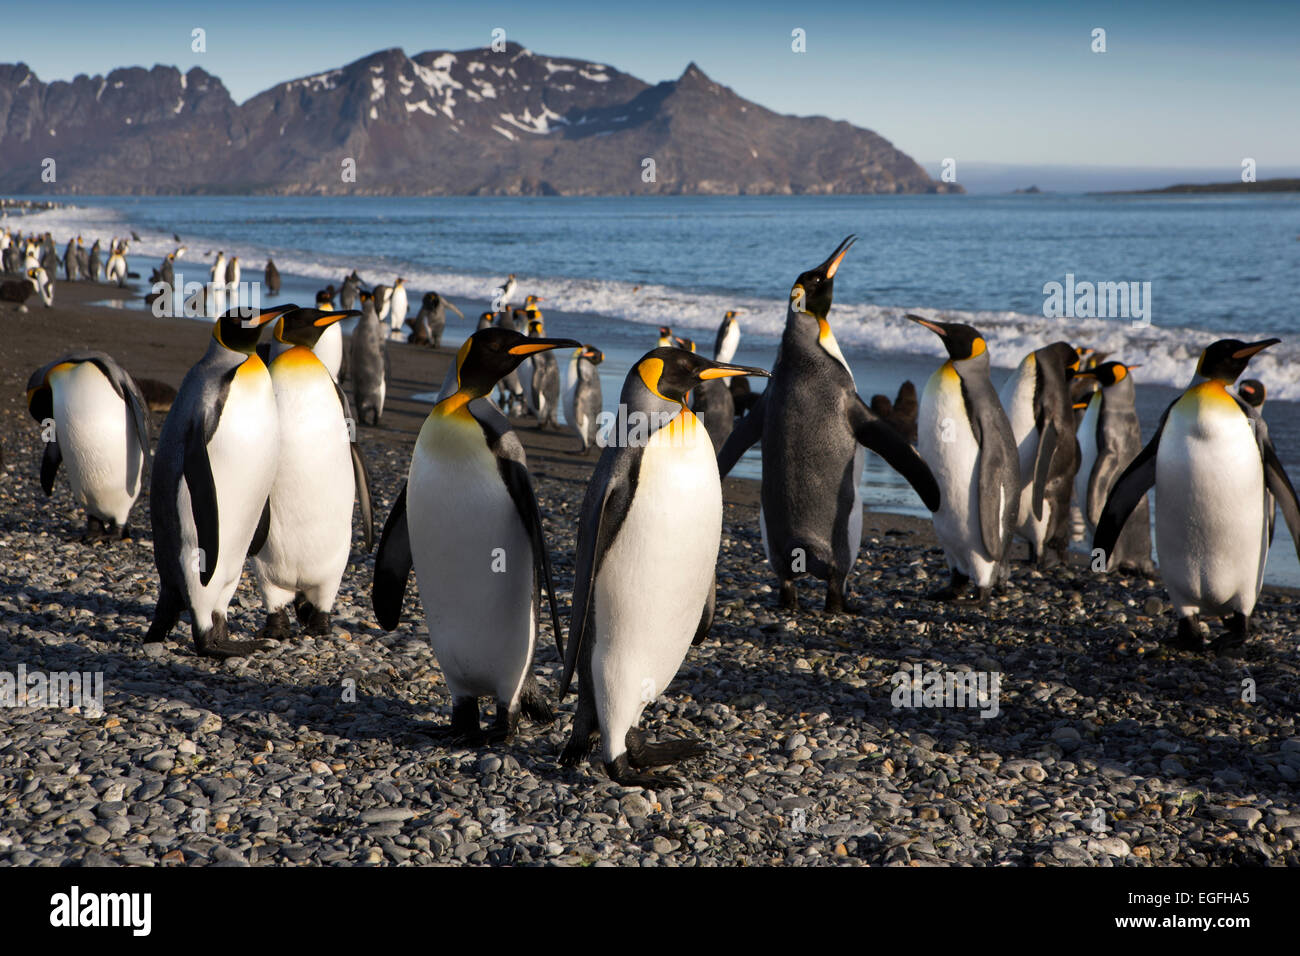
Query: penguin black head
[
  {"x": 812, "y": 292},
  {"x": 1064, "y": 353},
  {"x": 1227, "y": 358},
  {"x": 40, "y": 396},
  {"x": 671, "y": 372},
  {"x": 491, "y": 354},
  {"x": 665, "y": 332},
  {"x": 239, "y": 330},
  {"x": 1108, "y": 373},
  {"x": 731, "y": 314},
  {"x": 1252, "y": 391},
  {"x": 592, "y": 354},
  {"x": 962, "y": 341},
  {"x": 305, "y": 326},
  {"x": 681, "y": 343}
]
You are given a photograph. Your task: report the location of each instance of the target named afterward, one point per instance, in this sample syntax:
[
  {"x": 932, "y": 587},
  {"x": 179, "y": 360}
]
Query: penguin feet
[
  {"x": 577, "y": 749},
  {"x": 464, "y": 722},
  {"x": 954, "y": 591},
  {"x": 1233, "y": 642},
  {"x": 504, "y": 727},
  {"x": 789, "y": 596},
  {"x": 218, "y": 644},
  {"x": 1188, "y": 637},
  {"x": 643, "y": 754},
  {"x": 223, "y": 649},
  {"x": 836, "y": 602},
  {"x": 533, "y": 703},
  {"x": 98, "y": 530},
  {"x": 126, "y": 534},
  {"x": 621, "y": 772},
  {"x": 276, "y": 627}
]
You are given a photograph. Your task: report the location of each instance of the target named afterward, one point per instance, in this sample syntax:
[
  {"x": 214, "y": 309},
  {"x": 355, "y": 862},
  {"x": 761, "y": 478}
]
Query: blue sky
[{"x": 1192, "y": 85}]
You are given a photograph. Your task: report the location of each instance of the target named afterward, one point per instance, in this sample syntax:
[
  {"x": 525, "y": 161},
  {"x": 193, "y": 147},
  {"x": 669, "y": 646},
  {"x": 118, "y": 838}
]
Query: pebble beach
[{"x": 1105, "y": 748}]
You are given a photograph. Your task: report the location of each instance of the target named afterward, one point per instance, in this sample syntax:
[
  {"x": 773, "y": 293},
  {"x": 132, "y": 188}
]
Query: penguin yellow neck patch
[{"x": 455, "y": 404}]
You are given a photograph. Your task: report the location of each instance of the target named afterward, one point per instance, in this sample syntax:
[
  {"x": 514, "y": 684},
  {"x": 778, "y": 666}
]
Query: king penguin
[
  {"x": 814, "y": 427},
  {"x": 1037, "y": 401},
  {"x": 582, "y": 397},
  {"x": 1110, "y": 437},
  {"x": 369, "y": 365},
  {"x": 468, "y": 521},
  {"x": 647, "y": 551},
  {"x": 100, "y": 427},
  {"x": 1213, "y": 470},
  {"x": 545, "y": 384},
  {"x": 966, "y": 439},
  {"x": 271, "y": 275},
  {"x": 712, "y": 402},
  {"x": 319, "y": 472},
  {"x": 212, "y": 477},
  {"x": 398, "y": 307}
]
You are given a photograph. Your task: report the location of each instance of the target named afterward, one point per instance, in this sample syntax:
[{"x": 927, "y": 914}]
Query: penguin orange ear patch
[{"x": 651, "y": 370}]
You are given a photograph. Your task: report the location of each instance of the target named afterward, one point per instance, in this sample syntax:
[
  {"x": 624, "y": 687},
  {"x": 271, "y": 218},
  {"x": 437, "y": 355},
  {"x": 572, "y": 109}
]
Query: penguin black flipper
[
  {"x": 996, "y": 524},
  {"x": 1138, "y": 478},
  {"x": 604, "y": 508},
  {"x": 1104, "y": 473},
  {"x": 392, "y": 566},
  {"x": 875, "y": 433},
  {"x": 744, "y": 436},
  {"x": 361, "y": 475},
  {"x": 261, "y": 531},
  {"x": 203, "y": 497},
  {"x": 1047, "y": 438},
  {"x": 514, "y": 472},
  {"x": 50, "y": 462},
  {"x": 1275, "y": 477}
]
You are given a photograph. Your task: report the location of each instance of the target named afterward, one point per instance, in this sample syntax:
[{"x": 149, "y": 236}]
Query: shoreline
[
  {"x": 176, "y": 343},
  {"x": 1104, "y": 748}
]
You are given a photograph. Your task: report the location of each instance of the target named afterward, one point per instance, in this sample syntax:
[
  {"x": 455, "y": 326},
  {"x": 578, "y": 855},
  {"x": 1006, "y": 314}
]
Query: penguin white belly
[
  {"x": 473, "y": 561},
  {"x": 570, "y": 401},
  {"x": 329, "y": 349},
  {"x": 730, "y": 340},
  {"x": 853, "y": 526},
  {"x": 654, "y": 580},
  {"x": 1017, "y": 397},
  {"x": 948, "y": 446},
  {"x": 311, "y": 498},
  {"x": 242, "y": 454},
  {"x": 103, "y": 458},
  {"x": 1088, "y": 452},
  {"x": 1211, "y": 530},
  {"x": 397, "y": 317}
]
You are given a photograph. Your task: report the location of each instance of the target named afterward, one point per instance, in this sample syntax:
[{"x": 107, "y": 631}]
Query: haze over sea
[{"x": 1218, "y": 266}]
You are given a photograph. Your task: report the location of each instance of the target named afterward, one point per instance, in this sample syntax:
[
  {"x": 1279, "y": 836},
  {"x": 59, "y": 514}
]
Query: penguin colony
[{"x": 250, "y": 428}]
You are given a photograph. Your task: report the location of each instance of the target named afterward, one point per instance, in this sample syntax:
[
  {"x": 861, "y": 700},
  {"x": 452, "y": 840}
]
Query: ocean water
[{"x": 617, "y": 268}]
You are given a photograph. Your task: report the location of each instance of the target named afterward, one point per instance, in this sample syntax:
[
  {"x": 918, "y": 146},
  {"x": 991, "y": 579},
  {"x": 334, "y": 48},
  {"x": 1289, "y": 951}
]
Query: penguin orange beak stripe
[
  {"x": 833, "y": 263},
  {"x": 265, "y": 317},
  {"x": 1250, "y": 350},
  {"x": 727, "y": 371},
  {"x": 330, "y": 317},
  {"x": 544, "y": 345},
  {"x": 932, "y": 326}
]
